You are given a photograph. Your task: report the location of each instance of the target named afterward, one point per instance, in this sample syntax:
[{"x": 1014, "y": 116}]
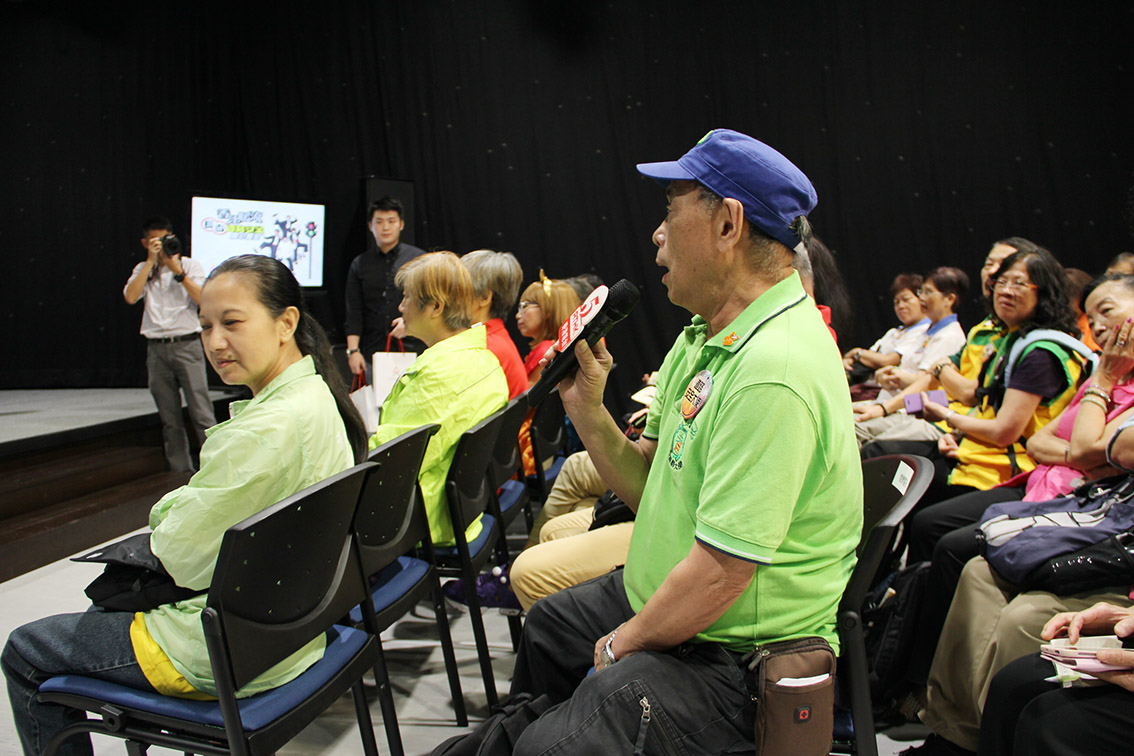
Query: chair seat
[
  {"x": 487, "y": 524},
  {"x": 394, "y": 581},
  {"x": 257, "y": 711},
  {"x": 511, "y": 494},
  {"x": 553, "y": 471}
]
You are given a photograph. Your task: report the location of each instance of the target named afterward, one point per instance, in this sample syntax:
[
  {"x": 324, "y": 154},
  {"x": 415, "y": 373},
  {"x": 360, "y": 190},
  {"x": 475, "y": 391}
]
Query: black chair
[
  {"x": 389, "y": 524},
  {"x": 892, "y": 487},
  {"x": 511, "y": 494},
  {"x": 549, "y": 441},
  {"x": 469, "y": 496},
  {"x": 283, "y": 577}
]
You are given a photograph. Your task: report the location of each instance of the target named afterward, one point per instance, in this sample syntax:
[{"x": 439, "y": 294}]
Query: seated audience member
[
  {"x": 775, "y": 419},
  {"x": 1077, "y": 280},
  {"x": 968, "y": 361},
  {"x": 496, "y": 278},
  {"x": 861, "y": 362},
  {"x": 456, "y": 381},
  {"x": 1028, "y": 714},
  {"x": 299, "y": 428},
  {"x": 544, "y": 306},
  {"x": 940, "y": 294},
  {"x": 1067, "y": 451},
  {"x": 1011, "y": 402},
  {"x": 1121, "y": 264}
]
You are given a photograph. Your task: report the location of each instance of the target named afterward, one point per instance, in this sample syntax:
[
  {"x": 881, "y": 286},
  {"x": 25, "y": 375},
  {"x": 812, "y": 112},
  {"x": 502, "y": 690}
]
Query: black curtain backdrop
[{"x": 929, "y": 130}]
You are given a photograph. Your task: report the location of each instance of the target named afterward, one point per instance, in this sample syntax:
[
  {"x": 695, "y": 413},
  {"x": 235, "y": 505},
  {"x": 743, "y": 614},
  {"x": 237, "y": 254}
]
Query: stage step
[
  {"x": 54, "y": 531},
  {"x": 50, "y": 478}
]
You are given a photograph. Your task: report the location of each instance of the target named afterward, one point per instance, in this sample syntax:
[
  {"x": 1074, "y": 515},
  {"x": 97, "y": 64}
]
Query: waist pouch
[{"x": 795, "y": 706}]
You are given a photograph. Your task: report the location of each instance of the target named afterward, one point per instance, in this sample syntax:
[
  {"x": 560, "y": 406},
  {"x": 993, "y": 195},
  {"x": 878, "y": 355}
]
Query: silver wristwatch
[{"x": 608, "y": 651}]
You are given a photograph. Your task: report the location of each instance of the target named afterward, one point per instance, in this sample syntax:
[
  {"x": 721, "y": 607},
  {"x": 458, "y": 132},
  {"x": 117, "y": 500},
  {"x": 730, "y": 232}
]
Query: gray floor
[
  {"x": 30, "y": 413},
  {"x": 417, "y": 672}
]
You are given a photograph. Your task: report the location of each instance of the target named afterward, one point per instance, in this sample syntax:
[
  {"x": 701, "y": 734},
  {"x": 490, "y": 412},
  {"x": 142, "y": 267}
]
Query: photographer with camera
[{"x": 171, "y": 287}]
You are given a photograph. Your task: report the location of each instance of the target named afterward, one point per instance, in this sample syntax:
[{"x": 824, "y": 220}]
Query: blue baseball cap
[{"x": 773, "y": 191}]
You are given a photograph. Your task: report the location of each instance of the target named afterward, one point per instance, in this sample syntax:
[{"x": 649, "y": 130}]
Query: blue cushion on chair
[
  {"x": 487, "y": 523},
  {"x": 255, "y": 711},
  {"x": 393, "y": 582},
  {"x": 556, "y": 465},
  {"x": 510, "y": 494}
]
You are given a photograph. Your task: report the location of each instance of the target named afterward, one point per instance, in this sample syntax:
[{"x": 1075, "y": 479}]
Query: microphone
[{"x": 602, "y": 308}]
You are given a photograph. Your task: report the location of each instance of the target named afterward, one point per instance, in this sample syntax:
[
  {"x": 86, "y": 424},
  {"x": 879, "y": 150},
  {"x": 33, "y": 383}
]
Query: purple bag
[{"x": 1020, "y": 536}]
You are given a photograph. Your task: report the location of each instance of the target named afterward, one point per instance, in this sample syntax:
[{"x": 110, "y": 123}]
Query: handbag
[
  {"x": 1020, "y": 536},
  {"x": 1101, "y": 565},
  {"x": 134, "y": 580}
]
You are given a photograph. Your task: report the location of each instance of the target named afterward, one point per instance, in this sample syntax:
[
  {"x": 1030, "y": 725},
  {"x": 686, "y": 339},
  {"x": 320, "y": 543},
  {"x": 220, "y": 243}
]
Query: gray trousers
[
  {"x": 176, "y": 368},
  {"x": 689, "y": 700}
]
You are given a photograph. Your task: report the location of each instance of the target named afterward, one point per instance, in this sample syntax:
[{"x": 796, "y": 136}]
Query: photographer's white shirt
[{"x": 168, "y": 308}]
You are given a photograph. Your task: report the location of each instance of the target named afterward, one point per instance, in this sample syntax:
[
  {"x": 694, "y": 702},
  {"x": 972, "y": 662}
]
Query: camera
[{"x": 170, "y": 245}]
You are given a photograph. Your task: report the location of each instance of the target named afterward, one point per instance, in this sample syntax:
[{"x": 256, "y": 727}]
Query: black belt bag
[{"x": 795, "y": 692}]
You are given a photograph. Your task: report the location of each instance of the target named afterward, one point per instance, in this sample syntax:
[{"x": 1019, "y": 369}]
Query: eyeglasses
[
  {"x": 1015, "y": 285},
  {"x": 525, "y": 305},
  {"x": 926, "y": 292}
]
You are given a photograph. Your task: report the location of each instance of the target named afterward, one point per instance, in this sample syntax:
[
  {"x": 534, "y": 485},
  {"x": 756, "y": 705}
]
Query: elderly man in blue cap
[{"x": 747, "y": 484}]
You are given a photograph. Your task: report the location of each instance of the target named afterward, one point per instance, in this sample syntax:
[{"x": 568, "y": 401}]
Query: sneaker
[{"x": 492, "y": 591}]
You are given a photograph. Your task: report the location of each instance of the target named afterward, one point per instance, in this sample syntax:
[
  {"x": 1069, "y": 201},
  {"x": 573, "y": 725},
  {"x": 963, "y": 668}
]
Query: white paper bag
[
  {"x": 386, "y": 369},
  {"x": 367, "y": 406}
]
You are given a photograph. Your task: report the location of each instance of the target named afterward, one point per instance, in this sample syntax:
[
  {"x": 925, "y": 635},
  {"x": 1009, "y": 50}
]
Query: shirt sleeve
[
  {"x": 944, "y": 343},
  {"x": 769, "y": 456},
  {"x": 1039, "y": 372},
  {"x": 242, "y": 474},
  {"x": 134, "y": 274},
  {"x": 194, "y": 270}
]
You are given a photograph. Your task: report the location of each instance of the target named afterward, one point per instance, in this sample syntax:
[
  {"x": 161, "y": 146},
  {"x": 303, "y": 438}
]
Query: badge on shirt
[{"x": 696, "y": 394}]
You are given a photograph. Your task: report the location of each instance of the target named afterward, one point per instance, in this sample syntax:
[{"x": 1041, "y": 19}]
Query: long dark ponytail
[{"x": 277, "y": 290}]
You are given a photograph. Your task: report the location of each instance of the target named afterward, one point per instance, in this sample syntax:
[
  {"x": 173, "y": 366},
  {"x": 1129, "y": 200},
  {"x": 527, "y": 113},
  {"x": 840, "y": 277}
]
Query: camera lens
[{"x": 171, "y": 245}]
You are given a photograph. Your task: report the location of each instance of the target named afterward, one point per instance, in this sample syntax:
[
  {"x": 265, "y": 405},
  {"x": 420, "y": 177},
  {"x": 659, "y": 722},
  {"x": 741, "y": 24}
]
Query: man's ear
[{"x": 728, "y": 225}]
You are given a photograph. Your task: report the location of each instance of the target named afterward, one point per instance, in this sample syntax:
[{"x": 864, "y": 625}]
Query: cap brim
[{"x": 667, "y": 171}]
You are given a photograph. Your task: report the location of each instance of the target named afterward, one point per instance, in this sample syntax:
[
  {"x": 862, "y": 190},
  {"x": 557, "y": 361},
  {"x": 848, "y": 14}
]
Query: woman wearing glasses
[{"x": 543, "y": 307}]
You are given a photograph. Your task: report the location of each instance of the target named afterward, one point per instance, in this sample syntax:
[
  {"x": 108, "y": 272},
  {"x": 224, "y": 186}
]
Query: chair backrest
[
  {"x": 892, "y": 486},
  {"x": 467, "y": 486},
  {"x": 549, "y": 428},
  {"x": 283, "y": 577},
  {"x": 390, "y": 519},
  {"x": 506, "y": 458}
]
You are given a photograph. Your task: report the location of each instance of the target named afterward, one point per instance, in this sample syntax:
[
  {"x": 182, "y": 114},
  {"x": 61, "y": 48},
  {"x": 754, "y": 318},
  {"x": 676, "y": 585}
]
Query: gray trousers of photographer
[
  {"x": 176, "y": 368},
  {"x": 691, "y": 699}
]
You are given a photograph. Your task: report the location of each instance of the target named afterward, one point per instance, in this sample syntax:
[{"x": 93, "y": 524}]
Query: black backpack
[
  {"x": 497, "y": 735},
  {"x": 889, "y": 622}
]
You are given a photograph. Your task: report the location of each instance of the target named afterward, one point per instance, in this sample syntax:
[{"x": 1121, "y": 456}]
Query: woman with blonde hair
[
  {"x": 544, "y": 306},
  {"x": 456, "y": 381}
]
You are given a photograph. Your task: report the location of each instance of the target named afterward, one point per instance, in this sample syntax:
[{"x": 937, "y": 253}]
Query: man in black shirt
[{"x": 372, "y": 298}]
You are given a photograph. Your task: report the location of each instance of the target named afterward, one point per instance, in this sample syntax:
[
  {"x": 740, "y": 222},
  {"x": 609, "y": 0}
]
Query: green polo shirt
[{"x": 767, "y": 470}]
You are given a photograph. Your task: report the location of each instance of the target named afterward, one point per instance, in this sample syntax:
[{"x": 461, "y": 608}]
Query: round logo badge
[{"x": 696, "y": 394}]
